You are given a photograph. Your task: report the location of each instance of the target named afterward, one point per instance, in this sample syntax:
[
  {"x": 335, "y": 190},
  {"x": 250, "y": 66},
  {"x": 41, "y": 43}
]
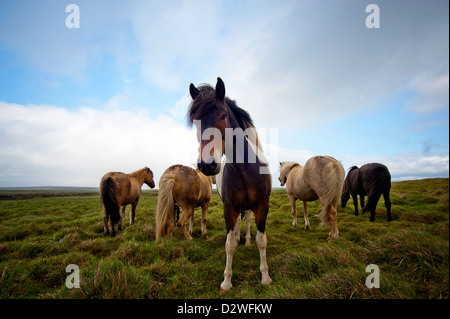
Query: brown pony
[
  {"x": 187, "y": 188},
  {"x": 119, "y": 190},
  {"x": 321, "y": 178},
  {"x": 223, "y": 128}
]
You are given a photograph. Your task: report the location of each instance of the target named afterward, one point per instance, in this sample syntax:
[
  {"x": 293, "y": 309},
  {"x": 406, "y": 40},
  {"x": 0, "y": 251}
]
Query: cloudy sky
[{"x": 112, "y": 95}]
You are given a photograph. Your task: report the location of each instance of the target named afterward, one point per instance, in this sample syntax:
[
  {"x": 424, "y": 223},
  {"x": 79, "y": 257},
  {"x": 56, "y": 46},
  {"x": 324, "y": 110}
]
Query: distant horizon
[{"x": 145, "y": 187}]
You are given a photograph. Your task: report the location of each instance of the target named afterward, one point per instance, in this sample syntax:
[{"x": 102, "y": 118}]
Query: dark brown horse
[
  {"x": 370, "y": 180},
  {"x": 117, "y": 190},
  {"x": 225, "y": 128}
]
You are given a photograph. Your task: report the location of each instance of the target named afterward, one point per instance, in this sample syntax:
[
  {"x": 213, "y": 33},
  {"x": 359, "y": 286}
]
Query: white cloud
[
  {"x": 431, "y": 94},
  {"x": 406, "y": 165},
  {"x": 49, "y": 145}
]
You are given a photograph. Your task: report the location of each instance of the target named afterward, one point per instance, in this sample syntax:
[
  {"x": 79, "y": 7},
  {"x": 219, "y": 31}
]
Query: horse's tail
[
  {"x": 165, "y": 208},
  {"x": 108, "y": 190},
  {"x": 334, "y": 191}
]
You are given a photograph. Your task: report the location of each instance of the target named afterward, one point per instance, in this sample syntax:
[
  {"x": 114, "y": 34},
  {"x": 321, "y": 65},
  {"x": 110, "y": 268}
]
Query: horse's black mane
[
  {"x": 206, "y": 101},
  {"x": 352, "y": 168}
]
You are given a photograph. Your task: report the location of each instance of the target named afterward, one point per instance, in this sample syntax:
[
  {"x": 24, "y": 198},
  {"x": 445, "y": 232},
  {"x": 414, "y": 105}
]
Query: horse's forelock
[{"x": 203, "y": 102}]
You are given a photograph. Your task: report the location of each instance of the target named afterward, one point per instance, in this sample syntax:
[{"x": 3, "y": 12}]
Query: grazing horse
[
  {"x": 370, "y": 180},
  {"x": 321, "y": 178},
  {"x": 185, "y": 187},
  {"x": 119, "y": 190},
  {"x": 244, "y": 177}
]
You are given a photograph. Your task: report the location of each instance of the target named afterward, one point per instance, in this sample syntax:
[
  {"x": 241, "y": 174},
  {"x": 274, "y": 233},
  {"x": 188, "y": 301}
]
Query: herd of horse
[{"x": 226, "y": 131}]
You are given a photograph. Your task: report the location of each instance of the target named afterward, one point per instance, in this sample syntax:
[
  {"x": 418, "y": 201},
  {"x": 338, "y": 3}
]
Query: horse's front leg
[
  {"x": 293, "y": 210},
  {"x": 261, "y": 242},
  {"x": 231, "y": 244}
]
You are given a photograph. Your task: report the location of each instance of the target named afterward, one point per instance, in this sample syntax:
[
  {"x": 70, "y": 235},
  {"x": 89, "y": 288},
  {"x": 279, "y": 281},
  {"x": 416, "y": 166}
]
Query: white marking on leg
[
  {"x": 261, "y": 242},
  {"x": 230, "y": 248},
  {"x": 237, "y": 228},
  {"x": 305, "y": 214}
]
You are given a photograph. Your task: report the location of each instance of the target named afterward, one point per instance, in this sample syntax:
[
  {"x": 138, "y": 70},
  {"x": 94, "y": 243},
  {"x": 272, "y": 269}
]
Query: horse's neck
[{"x": 138, "y": 176}]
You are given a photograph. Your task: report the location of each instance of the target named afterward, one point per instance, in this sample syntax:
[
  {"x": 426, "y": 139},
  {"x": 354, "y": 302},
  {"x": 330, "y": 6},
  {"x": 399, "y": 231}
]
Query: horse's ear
[
  {"x": 193, "y": 91},
  {"x": 220, "y": 89}
]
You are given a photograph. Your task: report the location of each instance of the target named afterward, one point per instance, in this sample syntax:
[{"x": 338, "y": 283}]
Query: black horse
[{"x": 370, "y": 180}]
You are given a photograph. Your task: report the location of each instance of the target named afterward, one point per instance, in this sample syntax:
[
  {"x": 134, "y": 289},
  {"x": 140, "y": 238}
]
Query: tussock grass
[{"x": 40, "y": 235}]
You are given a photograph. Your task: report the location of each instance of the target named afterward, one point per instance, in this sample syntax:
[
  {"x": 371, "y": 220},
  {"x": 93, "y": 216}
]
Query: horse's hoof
[
  {"x": 266, "y": 282},
  {"x": 225, "y": 287}
]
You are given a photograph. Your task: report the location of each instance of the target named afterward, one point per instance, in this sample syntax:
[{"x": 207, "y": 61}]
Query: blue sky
[{"x": 112, "y": 95}]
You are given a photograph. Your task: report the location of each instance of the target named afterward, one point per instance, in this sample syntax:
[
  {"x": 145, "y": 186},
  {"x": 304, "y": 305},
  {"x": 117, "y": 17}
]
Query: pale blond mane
[{"x": 285, "y": 168}]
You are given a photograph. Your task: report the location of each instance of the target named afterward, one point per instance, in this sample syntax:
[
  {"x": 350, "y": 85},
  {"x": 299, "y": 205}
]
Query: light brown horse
[
  {"x": 119, "y": 190},
  {"x": 187, "y": 188},
  {"x": 321, "y": 178}
]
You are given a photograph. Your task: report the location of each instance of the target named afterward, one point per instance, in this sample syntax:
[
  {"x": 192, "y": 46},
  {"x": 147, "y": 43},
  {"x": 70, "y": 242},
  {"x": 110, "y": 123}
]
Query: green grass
[{"x": 40, "y": 235}]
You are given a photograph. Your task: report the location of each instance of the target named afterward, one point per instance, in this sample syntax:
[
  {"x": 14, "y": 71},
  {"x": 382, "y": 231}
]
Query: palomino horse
[
  {"x": 119, "y": 190},
  {"x": 244, "y": 177},
  {"x": 187, "y": 188},
  {"x": 321, "y": 178},
  {"x": 370, "y": 180}
]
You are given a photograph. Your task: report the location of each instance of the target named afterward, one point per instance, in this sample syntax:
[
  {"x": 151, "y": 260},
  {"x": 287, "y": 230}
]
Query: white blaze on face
[{"x": 213, "y": 147}]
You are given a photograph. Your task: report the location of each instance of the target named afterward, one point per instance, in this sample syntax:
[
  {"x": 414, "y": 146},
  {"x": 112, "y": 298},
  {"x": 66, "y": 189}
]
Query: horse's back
[
  {"x": 325, "y": 175},
  {"x": 186, "y": 188},
  {"x": 122, "y": 184},
  {"x": 375, "y": 177}
]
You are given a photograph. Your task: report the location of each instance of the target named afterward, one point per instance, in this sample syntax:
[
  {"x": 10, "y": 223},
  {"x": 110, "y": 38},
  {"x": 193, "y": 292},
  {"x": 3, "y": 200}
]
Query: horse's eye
[{"x": 224, "y": 116}]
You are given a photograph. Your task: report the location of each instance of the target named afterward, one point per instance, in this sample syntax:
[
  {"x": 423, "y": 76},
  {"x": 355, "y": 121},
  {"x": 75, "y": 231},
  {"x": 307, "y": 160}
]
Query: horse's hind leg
[
  {"x": 387, "y": 203},
  {"x": 105, "y": 223},
  {"x": 204, "y": 212},
  {"x": 185, "y": 215},
  {"x": 122, "y": 216},
  {"x": 293, "y": 210},
  {"x": 133, "y": 211},
  {"x": 334, "y": 232},
  {"x": 305, "y": 214},
  {"x": 372, "y": 200},
  {"x": 191, "y": 224},
  {"x": 248, "y": 219},
  {"x": 355, "y": 202},
  {"x": 113, "y": 231}
]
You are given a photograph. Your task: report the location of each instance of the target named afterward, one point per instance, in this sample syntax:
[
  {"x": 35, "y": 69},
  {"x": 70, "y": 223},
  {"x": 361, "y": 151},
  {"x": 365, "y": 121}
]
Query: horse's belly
[{"x": 308, "y": 196}]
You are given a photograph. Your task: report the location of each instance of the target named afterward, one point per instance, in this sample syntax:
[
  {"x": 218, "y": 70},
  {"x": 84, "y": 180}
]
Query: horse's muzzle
[{"x": 209, "y": 168}]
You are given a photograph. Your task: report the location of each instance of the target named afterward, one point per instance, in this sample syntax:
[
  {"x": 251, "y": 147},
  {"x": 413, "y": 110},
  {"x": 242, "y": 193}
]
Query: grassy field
[{"x": 41, "y": 234}]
